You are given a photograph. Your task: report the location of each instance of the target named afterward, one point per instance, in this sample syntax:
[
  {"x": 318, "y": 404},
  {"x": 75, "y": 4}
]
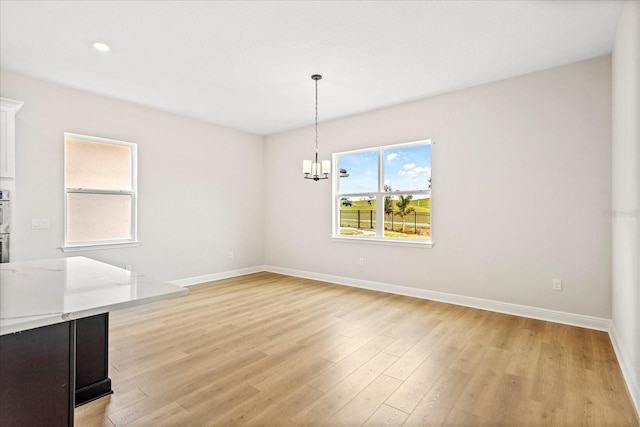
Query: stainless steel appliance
[
  {"x": 4, "y": 247},
  {"x": 5, "y": 226}
]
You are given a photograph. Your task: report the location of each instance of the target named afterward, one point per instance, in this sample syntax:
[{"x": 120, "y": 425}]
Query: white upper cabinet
[{"x": 8, "y": 110}]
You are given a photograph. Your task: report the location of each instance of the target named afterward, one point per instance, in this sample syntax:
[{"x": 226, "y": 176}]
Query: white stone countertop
[{"x": 44, "y": 292}]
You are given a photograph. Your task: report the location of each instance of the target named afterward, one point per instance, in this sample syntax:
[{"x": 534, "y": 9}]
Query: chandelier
[{"x": 312, "y": 169}]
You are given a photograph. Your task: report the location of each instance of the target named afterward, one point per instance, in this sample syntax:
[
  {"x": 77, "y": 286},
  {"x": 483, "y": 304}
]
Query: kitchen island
[{"x": 54, "y": 319}]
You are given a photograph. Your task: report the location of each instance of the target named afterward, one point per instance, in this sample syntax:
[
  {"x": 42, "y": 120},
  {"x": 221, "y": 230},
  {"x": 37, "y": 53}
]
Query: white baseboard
[
  {"x": 580, "y": 320},
  {"x": 631, "y": 375},
  {"x": 589, "y": 322},
  {"x": 218, "y": 276}
]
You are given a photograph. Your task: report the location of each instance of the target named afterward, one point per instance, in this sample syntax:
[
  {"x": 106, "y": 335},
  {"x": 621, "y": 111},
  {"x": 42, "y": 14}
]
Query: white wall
[
  {"x": 626, "y": 195},
  {"x": 521, "y": 181},
  {"x": 521, "y": 178},
  {"x": 200, "y": 185}
]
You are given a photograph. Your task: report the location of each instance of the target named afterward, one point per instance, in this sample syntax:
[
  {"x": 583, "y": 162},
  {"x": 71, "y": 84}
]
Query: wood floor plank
[
  {"x": 457, "y": 417},
  {"x": 525, "y": 353},
  {"x": 218, "y": 385},
  {"x": 365, "y": 404},
  {"x": 413, "y": 358},
  {"x": 271, "y": 350},
  {"x": 307, "y": 368},
  {"x": 91, "y": 413},
  {"x": 505, "y": 338},
  {"x": 336, "y": 398},
  {"x": 219, "y": 402},
  {"x": 168, "y": 415},
  {"x": 342, "y": 369},
  {"x": 357, "y": 341},
  {"x": 550, "y": 379},
  {"x": 411, "y": 331},
  {"x": 386, "y": 416},
  {"x": 94, "y": 415},
  {"x": 471, "y": 356},
  {"x": 505, "y": 406},
  {"x": 178, "y": 381},
  {"x": 436, "y": 405},
  {"x": 141, "y": 364},
  {"x": 479, "y": 394},
  {"x": 137, "y": 410},
  {"x": 417, "y": 385},
  {"x": 283, "y": 406}
]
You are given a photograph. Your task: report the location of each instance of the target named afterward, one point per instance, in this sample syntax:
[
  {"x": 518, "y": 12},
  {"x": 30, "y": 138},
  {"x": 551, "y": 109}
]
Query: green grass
[
  {"x": 388, "y": 233},
  {"x": 351, "y": 232},
  {"x": 422, "y": 205}
]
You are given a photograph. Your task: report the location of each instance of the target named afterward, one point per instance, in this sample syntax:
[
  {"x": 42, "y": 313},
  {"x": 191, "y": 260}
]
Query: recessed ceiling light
[{"x": 101, "y": 47}]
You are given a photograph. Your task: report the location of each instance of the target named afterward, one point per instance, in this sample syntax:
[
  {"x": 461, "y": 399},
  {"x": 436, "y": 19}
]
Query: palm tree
[
  {"x": 403, "y": 208},
  {"x": 388, "y": 207}
]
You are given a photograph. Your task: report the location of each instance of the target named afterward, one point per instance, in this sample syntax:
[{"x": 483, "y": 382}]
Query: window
[
  {"x": 100, "y": 191},
  {"x": 396, "y": 178}
]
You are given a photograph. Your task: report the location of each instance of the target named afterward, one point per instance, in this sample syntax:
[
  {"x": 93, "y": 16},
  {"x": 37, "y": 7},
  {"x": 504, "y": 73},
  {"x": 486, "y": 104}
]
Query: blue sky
[{"x": 406, "y": 168}]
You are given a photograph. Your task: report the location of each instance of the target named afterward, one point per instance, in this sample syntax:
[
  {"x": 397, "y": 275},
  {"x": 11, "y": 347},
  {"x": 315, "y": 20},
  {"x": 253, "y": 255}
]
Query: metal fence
[
  {"x": 366, "y": 219},
  {"x": 358, "y": 218}
]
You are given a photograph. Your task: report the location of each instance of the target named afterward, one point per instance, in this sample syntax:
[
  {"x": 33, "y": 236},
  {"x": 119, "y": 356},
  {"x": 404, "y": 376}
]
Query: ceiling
[{"x": 247, "y": 64}]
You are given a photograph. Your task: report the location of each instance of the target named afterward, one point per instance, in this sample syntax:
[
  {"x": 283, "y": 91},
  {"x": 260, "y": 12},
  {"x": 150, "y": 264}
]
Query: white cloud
[
  {"x": 392, "y": 156},
  {"x": 402, "y": 173},
  {"x": 421, "y": 170},
  {"x": 415, "y": 171},
  {"x": 409, "y": 166}
]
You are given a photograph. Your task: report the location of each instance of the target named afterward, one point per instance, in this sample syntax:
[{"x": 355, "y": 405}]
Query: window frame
[
  {"x": 379, "y": 197},
  {"x": 133, "y": 193}
]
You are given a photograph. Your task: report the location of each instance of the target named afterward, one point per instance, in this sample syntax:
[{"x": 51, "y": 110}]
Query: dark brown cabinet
[
  {"x": 92, "y": 358},
  {"x": 45, "y": 372},
  {"x": 37, "y": 377}
]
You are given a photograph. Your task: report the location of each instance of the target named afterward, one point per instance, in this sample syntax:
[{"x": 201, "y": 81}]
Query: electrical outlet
[
  {"x": 231, "y": 254},
  {"x": 39, "y": 223},
  {"x": 556, "y": 284},
  {"x": 361, "y": 261}
]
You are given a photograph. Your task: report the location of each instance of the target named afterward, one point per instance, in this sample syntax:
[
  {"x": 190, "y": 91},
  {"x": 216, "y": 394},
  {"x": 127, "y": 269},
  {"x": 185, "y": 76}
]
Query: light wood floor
[{"x": 267, "y": 349}]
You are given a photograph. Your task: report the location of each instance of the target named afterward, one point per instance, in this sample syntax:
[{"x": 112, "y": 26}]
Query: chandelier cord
[{"x": 316, "y": 120}]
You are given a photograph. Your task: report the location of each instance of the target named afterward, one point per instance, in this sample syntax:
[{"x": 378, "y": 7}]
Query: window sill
[
  {"x": 99, "y": 246},
  {"x": 387, "y": 242}
]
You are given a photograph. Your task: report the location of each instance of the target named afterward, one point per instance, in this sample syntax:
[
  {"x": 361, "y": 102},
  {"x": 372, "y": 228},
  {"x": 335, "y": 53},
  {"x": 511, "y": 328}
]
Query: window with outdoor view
[
  {"x": 100, "y": 191},
  {"x": 384, "y": 193}
]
